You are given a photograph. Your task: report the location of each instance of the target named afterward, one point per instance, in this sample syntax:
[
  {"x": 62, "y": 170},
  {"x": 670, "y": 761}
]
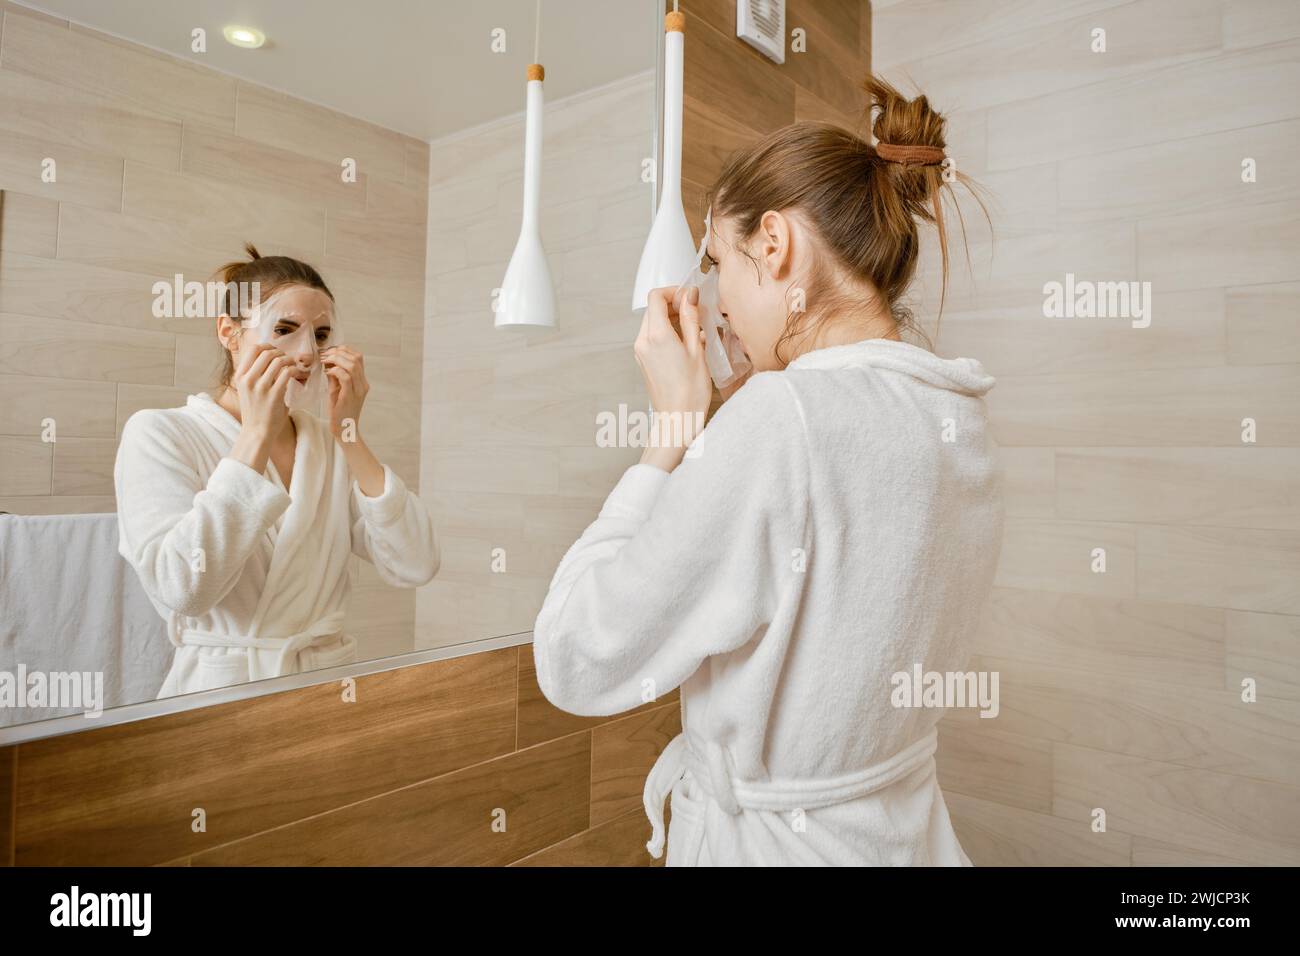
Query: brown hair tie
[{"x": 910, "y": 155}]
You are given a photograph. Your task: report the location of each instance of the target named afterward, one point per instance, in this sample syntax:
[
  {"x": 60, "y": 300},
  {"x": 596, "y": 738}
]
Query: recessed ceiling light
[{"x": 246, "y": 37}]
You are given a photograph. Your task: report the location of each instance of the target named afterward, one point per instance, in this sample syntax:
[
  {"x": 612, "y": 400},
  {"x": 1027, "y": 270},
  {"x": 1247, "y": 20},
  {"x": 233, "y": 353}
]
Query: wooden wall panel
[
  {"x": 733, "y": 94},
  {"x": 415, "y": 771}
]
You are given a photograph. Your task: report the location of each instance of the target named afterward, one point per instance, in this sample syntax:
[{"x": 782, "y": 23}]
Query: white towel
[
  {"x": 840, "y": 524},
  {"x": 70, "y": 604}
]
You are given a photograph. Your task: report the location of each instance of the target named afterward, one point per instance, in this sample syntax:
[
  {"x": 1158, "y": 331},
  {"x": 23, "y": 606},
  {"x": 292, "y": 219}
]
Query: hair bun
[
  {"x": 910, "y": 141},
  {"x": 903, "y": 122}
]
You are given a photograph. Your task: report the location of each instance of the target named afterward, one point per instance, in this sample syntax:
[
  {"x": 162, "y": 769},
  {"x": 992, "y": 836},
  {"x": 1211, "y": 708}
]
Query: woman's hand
[
  {"x": 675, "y": 374},
  {"x": 260, "y": 380},
  {"x": 346, "y": 372}
]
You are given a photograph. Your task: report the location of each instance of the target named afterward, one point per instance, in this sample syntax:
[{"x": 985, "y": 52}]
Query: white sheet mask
[
  {"x": 275, "y": 321},
  {"x": 723, "y": 352}
]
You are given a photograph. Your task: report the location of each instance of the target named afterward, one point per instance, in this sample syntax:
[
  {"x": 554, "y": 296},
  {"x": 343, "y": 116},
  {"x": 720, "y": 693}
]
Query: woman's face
[
  {"x": 289, "y": 308},
  {"x": 751, "y": 298}
]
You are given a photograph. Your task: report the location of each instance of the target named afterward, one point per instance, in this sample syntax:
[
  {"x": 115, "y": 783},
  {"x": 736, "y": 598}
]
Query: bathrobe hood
[{"x": 963, "y": 375}]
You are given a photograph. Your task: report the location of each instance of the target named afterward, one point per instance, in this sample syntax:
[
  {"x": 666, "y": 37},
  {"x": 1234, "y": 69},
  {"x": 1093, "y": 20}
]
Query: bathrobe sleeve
[
  {"x": 186, "y": 539},
  {"x": 394, "y": 531},
  {"x": 678, "y": 567}
]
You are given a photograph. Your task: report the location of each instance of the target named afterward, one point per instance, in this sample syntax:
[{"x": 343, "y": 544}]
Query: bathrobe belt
[
  {"x": 289, "y": 647},
  {"x": 734, "y": 795}
]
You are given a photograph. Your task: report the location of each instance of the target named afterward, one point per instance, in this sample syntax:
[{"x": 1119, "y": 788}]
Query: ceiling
[{"x": 421, "y": 67}]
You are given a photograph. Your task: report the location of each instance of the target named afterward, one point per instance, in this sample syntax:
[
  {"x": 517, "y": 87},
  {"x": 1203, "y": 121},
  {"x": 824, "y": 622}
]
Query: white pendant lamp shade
[
  {"x": 669, "y": 252},
  {"x": 527, "y": 295}
]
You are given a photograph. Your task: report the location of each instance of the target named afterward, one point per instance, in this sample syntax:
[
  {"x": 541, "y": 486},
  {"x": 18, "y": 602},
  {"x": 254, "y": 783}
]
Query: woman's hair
[
  {"x": 270, "y": 273},
  {"x": 862, "y": 207}
]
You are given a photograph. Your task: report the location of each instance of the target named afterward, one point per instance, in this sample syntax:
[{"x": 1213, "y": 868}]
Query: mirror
[{"x": 221, "y": 470}]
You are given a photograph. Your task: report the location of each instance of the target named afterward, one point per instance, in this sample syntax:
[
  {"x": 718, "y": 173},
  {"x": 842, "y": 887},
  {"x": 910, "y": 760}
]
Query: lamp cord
[{"x": 537, "y": 35}]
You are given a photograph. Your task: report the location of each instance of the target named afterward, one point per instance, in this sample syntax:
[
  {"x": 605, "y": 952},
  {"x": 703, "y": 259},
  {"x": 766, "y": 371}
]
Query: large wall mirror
[{"x": 382, "y": 145}]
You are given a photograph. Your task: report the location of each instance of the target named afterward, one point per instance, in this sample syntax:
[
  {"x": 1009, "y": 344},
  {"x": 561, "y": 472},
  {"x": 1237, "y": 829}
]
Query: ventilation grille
[{"x": 761, "y": 24}]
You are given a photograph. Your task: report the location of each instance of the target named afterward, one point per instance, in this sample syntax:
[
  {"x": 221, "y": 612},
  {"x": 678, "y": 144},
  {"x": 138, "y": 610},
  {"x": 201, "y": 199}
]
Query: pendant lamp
[
  {"x": 527, "y": 294},
  {"x": 669, "y": 252}
]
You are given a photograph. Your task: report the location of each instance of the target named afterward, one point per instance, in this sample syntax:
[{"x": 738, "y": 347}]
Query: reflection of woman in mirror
[
  {"x": 830, "y": 538},
  {"x": 249, "y": 564}
]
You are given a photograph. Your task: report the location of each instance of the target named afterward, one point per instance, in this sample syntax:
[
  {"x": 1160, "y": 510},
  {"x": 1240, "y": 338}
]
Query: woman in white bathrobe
[
  {"x": 832, "y": 534},
  {"x": 240, "y": 515}
]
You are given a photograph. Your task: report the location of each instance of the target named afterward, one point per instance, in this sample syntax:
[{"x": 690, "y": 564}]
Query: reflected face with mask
[{"x": 298, "y": 321}]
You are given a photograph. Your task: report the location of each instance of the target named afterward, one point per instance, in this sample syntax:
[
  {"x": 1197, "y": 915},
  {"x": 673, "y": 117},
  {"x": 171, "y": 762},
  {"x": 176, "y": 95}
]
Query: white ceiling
[{"x": 421, "y": 67}]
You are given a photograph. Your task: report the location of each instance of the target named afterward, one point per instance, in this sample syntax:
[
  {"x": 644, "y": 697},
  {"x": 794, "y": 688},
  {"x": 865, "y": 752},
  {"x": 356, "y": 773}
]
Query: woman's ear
[
  {"x": 774, "y": 234},
  {"x": 229, "y": 332}
]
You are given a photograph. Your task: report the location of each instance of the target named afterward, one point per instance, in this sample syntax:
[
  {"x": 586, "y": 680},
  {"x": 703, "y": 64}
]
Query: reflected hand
[
  {"x": 346, "y": 372},
  {"x": 260, "y": 380}
]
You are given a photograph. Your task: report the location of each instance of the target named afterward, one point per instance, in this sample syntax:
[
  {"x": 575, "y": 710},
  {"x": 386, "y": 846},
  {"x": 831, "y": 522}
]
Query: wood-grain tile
[
  {"x": 622, "y": 753},
  {"x": 87, "y": 121},
  {"x": 1059, "y": 56},
  {"x": 28, "y": 224},
  {"x": 58, "y": 505},
  {"x": 1263, "y": 324},
  {"x": 1225, "y": 487},
  {"x": 8, "y": 777},
  {"x": 25, "y": 466},
  {"x": 60, "y": 289},
  {"x": 35, "y": 166},
  {"x": 1148, "y": 717},
  {"x": 1039, "y": 554},
  {"x": 1266, "y": 649},
  {"x": 617, "y": 842},
  {"x": 920, "y": 28},
  {"x": 1206, "y": 95},
  {"x": 1011, "y": 336},
  {"x": 994, "y": 834},
  {"x": 84, "y": 467},
  {"x": 1160, "y": 408},
  {"x": 717, "y": 62},
  {"x": 1197, "y": 809},
  {"x": 982, "y": 761},
  {"x": 222, "y": 207},
  {"x": 488, "y": 814},
  {"x": 1116, "y": 638},
  {"x": 80, "y": 409},
  {"x": 118, "y": 795},
  {"x": 297, "y": 126},
  {"x": 87, "y": 351},
  {"x": 130, "y": 76},
  {"x": 222, "y": 156},
  {"x": 1245, "y": 569}
]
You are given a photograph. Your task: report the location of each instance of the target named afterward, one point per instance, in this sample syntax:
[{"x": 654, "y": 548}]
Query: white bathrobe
[
  {"x": 838, "y": 523},
  {"x": 252, "y": 577}
]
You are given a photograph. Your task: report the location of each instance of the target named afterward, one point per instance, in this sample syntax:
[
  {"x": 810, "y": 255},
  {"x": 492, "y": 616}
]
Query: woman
[
  {"x": 248, "y": 566},
  {"x": 838, "y": 527}
]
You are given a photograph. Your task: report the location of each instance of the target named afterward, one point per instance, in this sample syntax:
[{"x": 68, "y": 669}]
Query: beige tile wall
[
  {"x": 1122, "y": 690},
  {"x": 509, "y": 454},
  {"x": 164, "y": 166}
]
